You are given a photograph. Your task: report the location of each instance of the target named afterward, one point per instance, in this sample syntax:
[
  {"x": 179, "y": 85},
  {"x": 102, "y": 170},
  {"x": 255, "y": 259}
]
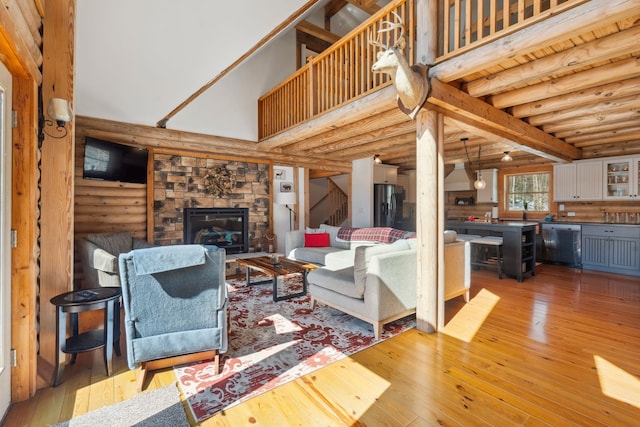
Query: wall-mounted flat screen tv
[{"x": 109, "y": 161}]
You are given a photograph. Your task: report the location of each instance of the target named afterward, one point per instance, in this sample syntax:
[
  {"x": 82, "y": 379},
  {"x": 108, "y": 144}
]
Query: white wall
[
  {"x": 362, "y": 193},
  {"x": 135, "y": 61},
  {"x": 280, "y": 212},
  {"x": 230, "y": 107}
]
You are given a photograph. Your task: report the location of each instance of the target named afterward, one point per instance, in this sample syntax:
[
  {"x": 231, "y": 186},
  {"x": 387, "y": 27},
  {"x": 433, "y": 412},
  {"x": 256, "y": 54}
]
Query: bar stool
[
  {"x": 481, "y": 253},
  {"x": 468, "y": 237}
]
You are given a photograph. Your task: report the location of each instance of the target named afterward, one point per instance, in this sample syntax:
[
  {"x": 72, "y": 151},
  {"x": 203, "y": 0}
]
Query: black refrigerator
[{"x": 384, "y": 205}]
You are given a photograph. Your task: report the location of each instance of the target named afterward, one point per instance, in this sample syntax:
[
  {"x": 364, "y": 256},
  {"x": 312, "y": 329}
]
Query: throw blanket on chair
[{"x": 372, "y": 234}]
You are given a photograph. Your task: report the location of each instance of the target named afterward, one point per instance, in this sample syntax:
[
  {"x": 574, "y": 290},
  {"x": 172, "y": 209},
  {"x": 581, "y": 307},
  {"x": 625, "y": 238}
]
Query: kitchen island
[{"x": 518, "y": 243}]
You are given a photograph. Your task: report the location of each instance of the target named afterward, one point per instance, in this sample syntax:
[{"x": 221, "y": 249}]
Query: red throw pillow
[{"x": 316, "y": 240}]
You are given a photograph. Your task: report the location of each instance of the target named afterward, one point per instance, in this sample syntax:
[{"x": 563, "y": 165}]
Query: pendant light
[
  {"x": 506, "y": 157},
  {"x": 479, "y": 183},
  {"x": 376, "y": 159}
]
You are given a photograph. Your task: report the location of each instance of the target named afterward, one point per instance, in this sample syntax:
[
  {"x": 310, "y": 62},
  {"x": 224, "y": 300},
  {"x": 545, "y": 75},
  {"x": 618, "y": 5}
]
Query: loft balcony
[{"x": 499, "y": 56}]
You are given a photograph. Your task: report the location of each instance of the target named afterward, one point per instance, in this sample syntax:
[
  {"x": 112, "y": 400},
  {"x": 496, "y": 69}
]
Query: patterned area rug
[{"x": 273, "y": 343}]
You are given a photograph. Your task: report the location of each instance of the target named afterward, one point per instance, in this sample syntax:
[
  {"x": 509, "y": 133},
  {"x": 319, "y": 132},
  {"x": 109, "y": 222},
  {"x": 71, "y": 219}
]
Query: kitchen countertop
[{"x": 589, "y": 223}]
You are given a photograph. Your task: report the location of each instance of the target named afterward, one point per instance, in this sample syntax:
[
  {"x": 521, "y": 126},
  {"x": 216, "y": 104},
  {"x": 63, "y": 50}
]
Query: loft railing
[
  {"x": 342, "y": 73},
  {"x": 337, "y": 76}
]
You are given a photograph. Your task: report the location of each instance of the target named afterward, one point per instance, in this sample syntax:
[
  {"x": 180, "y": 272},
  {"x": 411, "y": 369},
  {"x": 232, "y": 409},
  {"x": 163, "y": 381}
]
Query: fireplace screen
[{"x": 224, "y": 227}]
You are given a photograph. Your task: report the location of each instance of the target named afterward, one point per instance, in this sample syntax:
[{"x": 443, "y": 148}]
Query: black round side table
[{"x": 74, "y": 302}]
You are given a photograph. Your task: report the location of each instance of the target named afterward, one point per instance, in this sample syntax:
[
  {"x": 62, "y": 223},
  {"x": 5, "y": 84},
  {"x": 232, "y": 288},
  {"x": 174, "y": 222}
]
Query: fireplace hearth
[{"x": 226, "y": 228}]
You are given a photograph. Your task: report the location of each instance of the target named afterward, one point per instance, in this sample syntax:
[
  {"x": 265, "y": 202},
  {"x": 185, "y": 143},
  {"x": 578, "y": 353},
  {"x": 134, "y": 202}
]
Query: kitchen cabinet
[
  {"x": 621, "y": 177},
  {"x": 578, "y": 181},
  {"x": 385, "y": 174},
  {"x": 489, "y": 194},
  {"x": 611, "y": 248}
]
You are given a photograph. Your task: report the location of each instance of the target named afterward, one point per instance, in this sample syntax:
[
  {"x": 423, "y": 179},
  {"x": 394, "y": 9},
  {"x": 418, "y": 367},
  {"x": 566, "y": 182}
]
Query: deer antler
[{"x": 387, "y": 26}]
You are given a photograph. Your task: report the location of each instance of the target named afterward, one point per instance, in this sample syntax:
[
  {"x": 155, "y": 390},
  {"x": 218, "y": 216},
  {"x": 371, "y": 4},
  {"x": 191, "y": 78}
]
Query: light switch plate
[{"x": 561, "y": 207}]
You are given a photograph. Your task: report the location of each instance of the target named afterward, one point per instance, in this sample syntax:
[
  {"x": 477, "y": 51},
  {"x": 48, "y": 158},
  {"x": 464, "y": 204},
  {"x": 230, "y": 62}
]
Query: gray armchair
[
  {"x": 99, "y": 256},
  {"x": 175, "y": 304}
]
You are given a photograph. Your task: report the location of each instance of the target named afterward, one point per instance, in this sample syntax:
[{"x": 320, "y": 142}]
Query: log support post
[{"x": 429, "y": 186}]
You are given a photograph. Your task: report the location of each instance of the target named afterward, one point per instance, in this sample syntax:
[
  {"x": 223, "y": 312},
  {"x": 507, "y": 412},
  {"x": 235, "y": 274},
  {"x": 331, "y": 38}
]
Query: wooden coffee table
[{"x": 284, "y": 267}]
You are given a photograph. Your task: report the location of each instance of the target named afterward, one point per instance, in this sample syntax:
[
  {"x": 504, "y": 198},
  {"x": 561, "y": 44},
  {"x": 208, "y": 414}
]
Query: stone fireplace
[{"x": 179, "y": 184}]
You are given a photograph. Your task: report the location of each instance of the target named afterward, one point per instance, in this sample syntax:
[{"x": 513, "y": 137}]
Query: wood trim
[
  {"x": 521, "y": 170},
  {"x": 24, "y": 219},
  {"x": 16, "y": 56}
]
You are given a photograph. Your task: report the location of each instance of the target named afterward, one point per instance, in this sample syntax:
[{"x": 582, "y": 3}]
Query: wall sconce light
[
  {"x": 376, "y": 159},
  {"x": 506, "y": 157},
  {"x": 59, "y": 110}
]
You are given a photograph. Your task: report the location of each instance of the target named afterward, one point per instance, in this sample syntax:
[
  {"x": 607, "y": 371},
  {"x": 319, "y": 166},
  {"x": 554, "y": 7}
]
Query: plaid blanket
[{"x": 372, "y": 234}]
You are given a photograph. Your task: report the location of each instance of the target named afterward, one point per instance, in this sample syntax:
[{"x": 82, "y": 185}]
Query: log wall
[{"x": 103, "y": 206}]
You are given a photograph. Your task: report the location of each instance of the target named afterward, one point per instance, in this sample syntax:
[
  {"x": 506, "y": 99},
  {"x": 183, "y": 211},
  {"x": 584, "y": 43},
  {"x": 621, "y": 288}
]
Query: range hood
[{"x": 458, "y": 179}]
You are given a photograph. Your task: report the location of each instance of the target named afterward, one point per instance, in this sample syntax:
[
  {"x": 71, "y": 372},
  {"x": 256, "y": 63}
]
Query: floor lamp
[{"x": 287, "y": 199}]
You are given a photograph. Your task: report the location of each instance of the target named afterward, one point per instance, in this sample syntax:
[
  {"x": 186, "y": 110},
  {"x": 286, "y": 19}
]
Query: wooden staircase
[{"x": 338, "y": 204}]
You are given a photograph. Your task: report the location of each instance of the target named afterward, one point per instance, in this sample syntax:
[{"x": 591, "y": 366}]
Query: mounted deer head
[{"x": 410, "y": 82}]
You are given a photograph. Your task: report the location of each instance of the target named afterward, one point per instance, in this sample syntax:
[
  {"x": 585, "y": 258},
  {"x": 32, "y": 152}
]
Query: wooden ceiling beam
[
  {"x": 316, "y": 38},
  {"x": 502, "y": 124},
  {"x": 364, "y": 131},
  {"x": 403, "y": 128},
  {"x": 460, "y": 154},
  {"x": 623, "y": 135},
  {"x": 333, "y": 7},
  {"x": 379, "y": 101},
  {"x": 608, "y": 150},
  {"x": 483, "y": 133},
  {"x": 598, "y": 50},
  {"x": 609, "y": 105},
  {"x": 608, "y": 73},
  {"x": 317, "y": 32},
  {"x": 607, "y": 127},
  {"x": 585, "y": 17},
  {"x": 590, "y": 120},
  {"x": 381, "y": 146},
  {"x": 496, "y": 133},
  {"x": 368, "y": 6},
  {"x": 178, "y": 140},
  {"x": 614, "y": 90}
]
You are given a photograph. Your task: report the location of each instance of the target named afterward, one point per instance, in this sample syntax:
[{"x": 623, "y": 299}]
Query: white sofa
[
  {"x": 338, "y": 254},
  {"x": 377, "y": 283}
]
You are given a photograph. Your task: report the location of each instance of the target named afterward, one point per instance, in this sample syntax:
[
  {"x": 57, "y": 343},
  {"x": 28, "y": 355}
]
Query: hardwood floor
[{"x": 562, "y": 348}]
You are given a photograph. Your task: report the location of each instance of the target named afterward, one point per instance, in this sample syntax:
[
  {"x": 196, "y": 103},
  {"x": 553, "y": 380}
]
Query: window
[{"x": 528, "y": 191}]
